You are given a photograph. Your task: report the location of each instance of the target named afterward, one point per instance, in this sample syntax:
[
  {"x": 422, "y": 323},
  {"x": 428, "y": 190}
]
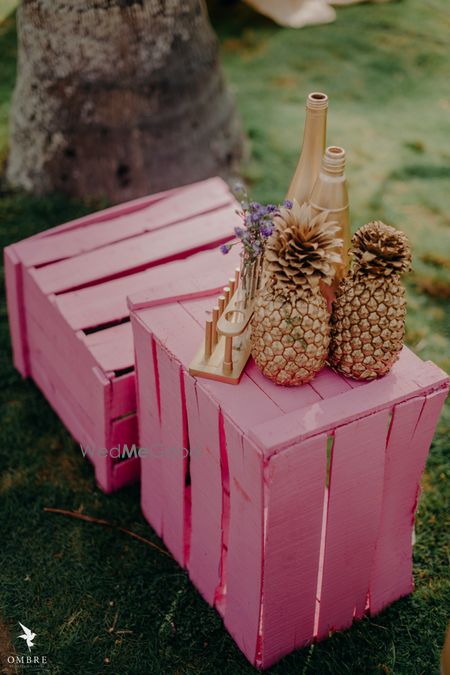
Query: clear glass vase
[{"x": 251, "y": 276}]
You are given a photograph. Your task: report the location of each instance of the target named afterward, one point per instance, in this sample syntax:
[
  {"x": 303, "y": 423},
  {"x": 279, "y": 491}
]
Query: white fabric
[
  {"x": 299, "y": 13},
  {"x": 295, "y": 13}
]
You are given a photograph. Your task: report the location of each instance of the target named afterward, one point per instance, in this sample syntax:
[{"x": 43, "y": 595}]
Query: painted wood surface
[
  {"x": 295, "y": 487},
  {"x": 112, "y": 348},
  {"x": 264, "y": 536},
  {"x": 139, "y": 252},
  {"x": 244, "y": 560},
  {"x": 400, "y": 384},
  {"x": 201, "y": 274},
  {"x": 206, "y": 450},
  {"x": 175, "y": 208},
  {"x": 353, "y": 517},
  {"x": 411, "y": 434},
  {"x": 173, "y": 448},
  {"x": 106, "y": 214},
  {"x": 149, "y": 423},
  {"x": 16, "y": 310},
  {"x": 96, "y": 369}
]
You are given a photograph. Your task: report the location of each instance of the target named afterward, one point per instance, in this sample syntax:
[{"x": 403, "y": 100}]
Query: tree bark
[{"x": 119, "y": 98}]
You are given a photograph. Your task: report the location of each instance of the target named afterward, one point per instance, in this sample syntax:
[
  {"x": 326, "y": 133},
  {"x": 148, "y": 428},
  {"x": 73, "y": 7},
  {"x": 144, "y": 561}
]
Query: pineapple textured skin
[
  {"x": 290, "y": 334},
  {"x": 368, "y": 319},
  {"x": 367, "y": 325}
]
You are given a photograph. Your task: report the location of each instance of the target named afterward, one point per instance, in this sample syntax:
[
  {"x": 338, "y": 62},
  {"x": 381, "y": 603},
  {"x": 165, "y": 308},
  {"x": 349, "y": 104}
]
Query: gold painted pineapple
[
  {"x": 368, "y": 318},
  {"x": 290, "y": 325}
]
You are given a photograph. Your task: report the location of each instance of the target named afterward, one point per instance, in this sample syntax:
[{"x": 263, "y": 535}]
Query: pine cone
[
  {"x": 380, "y": 250},
  {"x": 302, "y": 249}
]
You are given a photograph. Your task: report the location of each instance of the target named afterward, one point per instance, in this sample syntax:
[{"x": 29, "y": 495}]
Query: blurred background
[{"x": 150, "y": 112}]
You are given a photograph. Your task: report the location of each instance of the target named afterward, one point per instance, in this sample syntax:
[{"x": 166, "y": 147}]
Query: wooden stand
[
  {"x": 291, "y": 508},
  {"x": 67, "y": 294},
  {"x": 226, "y": 346}
]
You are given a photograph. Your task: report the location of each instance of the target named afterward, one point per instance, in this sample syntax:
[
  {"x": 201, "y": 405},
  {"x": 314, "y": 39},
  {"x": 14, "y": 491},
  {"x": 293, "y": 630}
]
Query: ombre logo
[{"x": 34, "y": 662}]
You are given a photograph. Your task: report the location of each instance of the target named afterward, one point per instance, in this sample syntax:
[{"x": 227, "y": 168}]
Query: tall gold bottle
[
  {"x": 314, "y": 141},
  {"x": 330, "y": 194}
]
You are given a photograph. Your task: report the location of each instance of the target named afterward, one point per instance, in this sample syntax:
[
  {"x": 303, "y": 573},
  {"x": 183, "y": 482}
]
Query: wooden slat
[
  {"x": 112, "y": 348},
  {"x": 173, "y": 242},
  {"x": 16, "y": 310},
  {"x": 74, "y": 358},
  {"x": 174, "y": 208},
  {"x": 201, "y": 274},
  {"x": 328, "y": 384},
  {"x": 295, "y": 487},
  {"x": 63, "y": 339},
  {"x": 412, "y": 430},
  {"x": 124, "y": 431},
  {"x": 123, "y": 399},
  {"x": 105, "y": 214},
  {"x": 206, "y": 490},
  {"x": 147, "y": 388},
  {"x": 287, "y": 399},
  {"x": 354, "y": 510},
  {"x": 74, "y": 374},
  {"x": 399, "y": 384},
  {"x": 55, "y": 388},
  {"x": 125, "y": 473},
  {"x": 245, "y": 545},
  {"x": 66, "y": 405},
  {"x": 173, "y": 461},
  {"x": 49, "y": 333}
]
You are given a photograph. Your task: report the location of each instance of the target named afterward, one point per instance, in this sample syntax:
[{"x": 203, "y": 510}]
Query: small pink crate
[
  {"x": 286, "y": 544},
  {"x": 69, "y": 321}
]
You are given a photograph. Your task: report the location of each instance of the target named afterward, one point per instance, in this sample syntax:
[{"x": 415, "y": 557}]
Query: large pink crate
[
  {"x": 286, "y": 544},
  {"x": 69, "y": 320}
]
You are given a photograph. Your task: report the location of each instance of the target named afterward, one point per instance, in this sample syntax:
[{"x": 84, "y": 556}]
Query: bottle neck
[
  {"x": 314, "y": 139},
  {"x": 317, "y": 101},
  {"x": 333, "y": 161},
  {"x": 316, "y": 121}
]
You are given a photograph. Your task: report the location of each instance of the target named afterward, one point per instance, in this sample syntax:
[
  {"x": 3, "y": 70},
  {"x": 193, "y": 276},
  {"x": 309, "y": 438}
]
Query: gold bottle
[
  {"x": 330, "y": 194},
  {"x": 314, "y": 141}
]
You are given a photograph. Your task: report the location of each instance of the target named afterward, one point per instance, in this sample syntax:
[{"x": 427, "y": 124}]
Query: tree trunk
[{"x": 119, "y": 98}]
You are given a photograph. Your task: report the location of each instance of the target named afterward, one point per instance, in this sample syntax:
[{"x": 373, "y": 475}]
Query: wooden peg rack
[{"x": 226, "y": 346}]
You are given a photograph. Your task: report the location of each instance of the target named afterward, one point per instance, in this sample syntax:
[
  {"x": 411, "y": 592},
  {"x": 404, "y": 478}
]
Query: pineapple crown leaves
[
  {"x": 303, "y": 248},
  {"x": 380, "y": 250}
]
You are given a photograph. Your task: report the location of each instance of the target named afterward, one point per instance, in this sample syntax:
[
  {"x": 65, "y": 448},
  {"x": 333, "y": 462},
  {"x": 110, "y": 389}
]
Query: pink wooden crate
[
  {"x": 286, "y": 545},
  {"x": 69, "y": 320}
]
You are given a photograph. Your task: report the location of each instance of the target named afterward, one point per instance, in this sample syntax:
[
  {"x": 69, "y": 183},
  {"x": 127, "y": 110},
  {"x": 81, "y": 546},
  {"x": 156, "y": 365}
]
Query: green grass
[{"x": 385, "y": 68}]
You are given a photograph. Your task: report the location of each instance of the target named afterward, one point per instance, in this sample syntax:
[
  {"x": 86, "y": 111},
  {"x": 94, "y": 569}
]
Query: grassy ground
[{"x": 101, "y": 602}]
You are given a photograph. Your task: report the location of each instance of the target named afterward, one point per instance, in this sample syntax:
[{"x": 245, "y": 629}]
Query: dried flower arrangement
[
  {"x": 253, "y": 235},
  {"x": 257, "y": 224}
]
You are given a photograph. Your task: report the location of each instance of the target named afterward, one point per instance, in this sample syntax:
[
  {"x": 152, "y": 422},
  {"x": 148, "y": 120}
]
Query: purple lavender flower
[
  {"x": 288, "y": 204},
  {"x": 266, "y": 230},
  {"x": 257, "y": 224}
]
